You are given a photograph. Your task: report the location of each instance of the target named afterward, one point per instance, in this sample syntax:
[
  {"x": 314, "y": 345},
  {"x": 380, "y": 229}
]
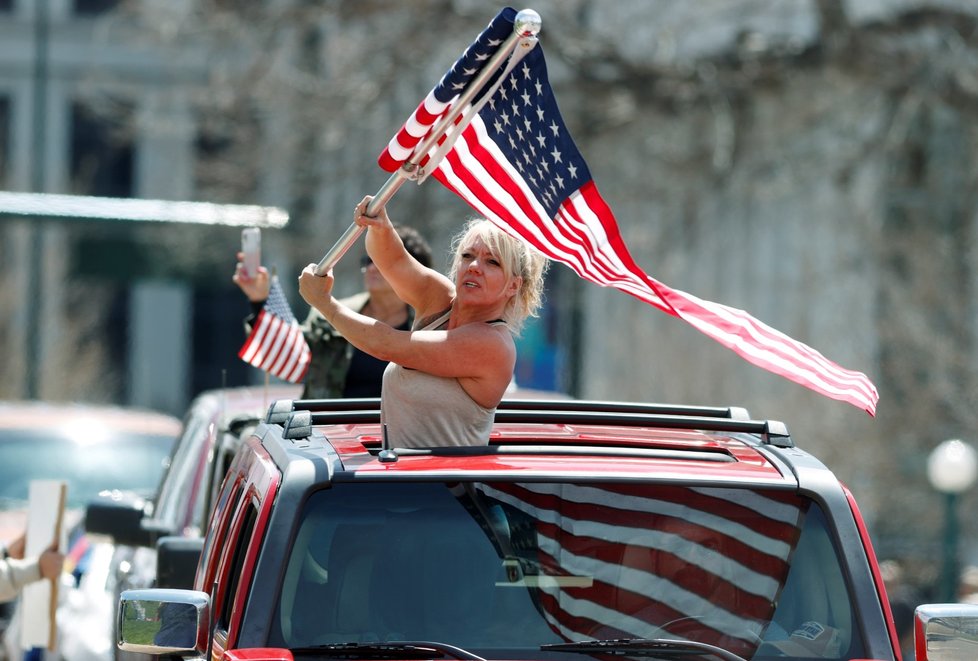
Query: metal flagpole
[{"x": 527, "y": 24}]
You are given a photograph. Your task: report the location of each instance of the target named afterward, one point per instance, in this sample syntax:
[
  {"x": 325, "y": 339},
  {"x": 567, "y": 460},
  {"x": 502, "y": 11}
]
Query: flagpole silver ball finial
[{"x": 527, "y": 23}]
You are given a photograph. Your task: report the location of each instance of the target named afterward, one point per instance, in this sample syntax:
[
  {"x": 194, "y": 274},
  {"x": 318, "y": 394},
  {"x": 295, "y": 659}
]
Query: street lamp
[{"x": 951, "y": 468}]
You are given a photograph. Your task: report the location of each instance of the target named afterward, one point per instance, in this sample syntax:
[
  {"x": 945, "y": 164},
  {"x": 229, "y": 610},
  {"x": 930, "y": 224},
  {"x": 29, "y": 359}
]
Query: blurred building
[
  {"x": 112, "y": 99},
  {"x": 104, "y": 311}
]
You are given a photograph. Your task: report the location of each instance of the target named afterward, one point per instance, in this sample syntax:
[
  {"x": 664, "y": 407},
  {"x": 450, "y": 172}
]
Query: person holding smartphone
[{"x": 336, "y": 367}]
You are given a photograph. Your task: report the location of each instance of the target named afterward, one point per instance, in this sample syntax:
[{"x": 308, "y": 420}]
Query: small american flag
[
  {"x": 516, "y": 164},
  {"x": 276, "y": 343}
]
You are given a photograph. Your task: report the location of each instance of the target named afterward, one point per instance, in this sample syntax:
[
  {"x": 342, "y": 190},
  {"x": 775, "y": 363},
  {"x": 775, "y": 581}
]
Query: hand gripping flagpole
[{"x": 526, "y": 24}]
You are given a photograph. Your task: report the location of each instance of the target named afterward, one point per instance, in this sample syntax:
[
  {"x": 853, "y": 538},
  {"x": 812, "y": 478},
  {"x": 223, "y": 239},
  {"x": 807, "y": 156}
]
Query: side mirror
[
  {"x": 176, "y": 561},
  {"x": 946, "y": 632},
  {"x": 160, "y": 622},
  {"x": 119, "y": 515}
]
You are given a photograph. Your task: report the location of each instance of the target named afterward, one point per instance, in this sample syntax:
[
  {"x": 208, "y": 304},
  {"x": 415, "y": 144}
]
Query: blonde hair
[{"x": 517, "y": 258}]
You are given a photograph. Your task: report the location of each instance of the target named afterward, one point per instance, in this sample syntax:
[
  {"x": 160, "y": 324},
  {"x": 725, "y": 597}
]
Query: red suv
[
  {"x": 176, "y": 517},
  {"x": 584, "y": 529}
]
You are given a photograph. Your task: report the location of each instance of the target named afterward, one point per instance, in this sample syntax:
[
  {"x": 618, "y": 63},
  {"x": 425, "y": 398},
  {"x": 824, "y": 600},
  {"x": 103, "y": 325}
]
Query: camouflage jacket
[{"x": 331, "y": 353}]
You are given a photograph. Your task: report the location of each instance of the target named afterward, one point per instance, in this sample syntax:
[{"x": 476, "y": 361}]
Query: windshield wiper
[
  {"x": 666, "y": 647},
  {"x": 399, "y": 649}
]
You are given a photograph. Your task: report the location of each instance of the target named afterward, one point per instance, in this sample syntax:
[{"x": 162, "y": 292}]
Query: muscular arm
[
  {"x": 424, "y": 289},
  {"x": 480, "y": 355}
]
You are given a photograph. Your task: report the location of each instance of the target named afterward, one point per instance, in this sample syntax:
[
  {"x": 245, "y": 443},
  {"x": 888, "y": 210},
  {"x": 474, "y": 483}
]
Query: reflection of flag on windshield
[
  {"x": 516, "y": 164},
  {"x": 707, "y": 563}
]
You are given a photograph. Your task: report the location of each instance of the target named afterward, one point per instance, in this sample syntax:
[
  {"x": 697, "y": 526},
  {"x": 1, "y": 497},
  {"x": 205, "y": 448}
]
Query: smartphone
[{"x": 251, "y": 247}]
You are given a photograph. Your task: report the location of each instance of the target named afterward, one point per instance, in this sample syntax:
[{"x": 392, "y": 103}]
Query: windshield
[
  {"x": 500, "y": 569},
  {"x": 132, "y": 462}
]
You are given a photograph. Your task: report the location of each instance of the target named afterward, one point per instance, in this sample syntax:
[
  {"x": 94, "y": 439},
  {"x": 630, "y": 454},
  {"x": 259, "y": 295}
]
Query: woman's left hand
[
  {"x": 379, "y": 221},
  {"x": 316, "y": 290}
]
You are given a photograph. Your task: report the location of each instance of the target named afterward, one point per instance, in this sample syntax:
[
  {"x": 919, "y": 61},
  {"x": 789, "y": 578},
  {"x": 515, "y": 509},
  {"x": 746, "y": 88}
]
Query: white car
[{"x": 92, "y": 448}]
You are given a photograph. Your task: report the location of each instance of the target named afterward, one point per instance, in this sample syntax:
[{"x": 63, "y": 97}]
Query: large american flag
[
  {"x": 276, "y": 343},
  {"x": 707, "y": 564},
  {"x": 516, "y": 164}
]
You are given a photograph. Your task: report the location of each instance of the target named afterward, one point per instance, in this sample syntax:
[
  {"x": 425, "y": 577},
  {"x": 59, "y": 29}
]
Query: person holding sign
[{"x": 16, "y": 571}]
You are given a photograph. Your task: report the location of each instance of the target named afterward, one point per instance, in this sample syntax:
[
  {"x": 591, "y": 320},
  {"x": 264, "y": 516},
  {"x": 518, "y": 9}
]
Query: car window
[
  {"x": 502, "y": 568},
  {"x": 223, "y": 513},
  {"x": 240, "y": 542},
  {"x": 180, "y": 500},
  {"x": 87, "y": 464}
]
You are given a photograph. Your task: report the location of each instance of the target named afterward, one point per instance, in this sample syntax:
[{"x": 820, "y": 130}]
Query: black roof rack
[
  {"x": 536, "y": 411},
  {"x": 731, "y": 412},
  {"x": 283, "y": 406}
]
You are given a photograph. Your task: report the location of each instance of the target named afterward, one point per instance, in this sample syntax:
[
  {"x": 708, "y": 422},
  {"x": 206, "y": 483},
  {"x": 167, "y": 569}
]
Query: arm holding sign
[{"x": 16, "y": 571}]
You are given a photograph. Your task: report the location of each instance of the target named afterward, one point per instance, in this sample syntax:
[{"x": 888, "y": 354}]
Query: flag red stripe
[
  {"x": 294, "y": 362},
  {"x": 273, "y": 343},
  {"x": 247, "y": 349},
  {"x": 283, "y": 347},
  {"x": 419, "y": 124},
  {"x": 263, "y": 331},
  {"x": 256, "y": 341}
]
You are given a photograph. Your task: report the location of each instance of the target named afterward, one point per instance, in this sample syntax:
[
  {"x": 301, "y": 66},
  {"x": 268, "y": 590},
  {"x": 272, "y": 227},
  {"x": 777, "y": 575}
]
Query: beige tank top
[{"x": 423, "y": 410}]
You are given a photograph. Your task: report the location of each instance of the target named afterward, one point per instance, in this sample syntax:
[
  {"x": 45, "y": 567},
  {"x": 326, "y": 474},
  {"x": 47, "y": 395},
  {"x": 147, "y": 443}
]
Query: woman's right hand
[{"x": 255, "y": 287}]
